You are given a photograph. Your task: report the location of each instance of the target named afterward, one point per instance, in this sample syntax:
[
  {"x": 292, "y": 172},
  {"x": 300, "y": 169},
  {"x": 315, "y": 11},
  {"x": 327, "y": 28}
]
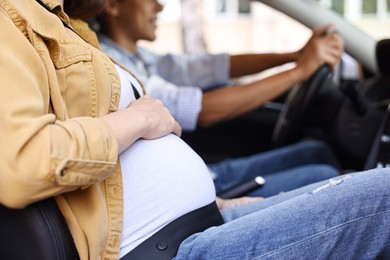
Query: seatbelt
[
  {"x": 380, "y": 151},
  {"x": 164, "y": 244},
  {"x": 136, "y": 93}
]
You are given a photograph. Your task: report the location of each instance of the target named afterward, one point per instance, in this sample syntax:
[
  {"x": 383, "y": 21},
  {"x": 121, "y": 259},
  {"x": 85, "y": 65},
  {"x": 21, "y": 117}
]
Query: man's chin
[{"x": 150, "y": 38}]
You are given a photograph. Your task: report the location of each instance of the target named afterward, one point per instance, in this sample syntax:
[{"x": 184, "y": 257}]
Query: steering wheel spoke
[{"x": 299, "y": 100}]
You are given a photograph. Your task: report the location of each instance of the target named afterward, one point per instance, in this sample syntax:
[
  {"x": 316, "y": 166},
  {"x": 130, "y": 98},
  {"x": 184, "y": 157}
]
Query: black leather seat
[{"x": 37, "y": 232}]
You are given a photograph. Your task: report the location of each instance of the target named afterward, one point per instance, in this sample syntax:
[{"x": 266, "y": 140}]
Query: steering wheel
[{"x": 298, "y": 101}]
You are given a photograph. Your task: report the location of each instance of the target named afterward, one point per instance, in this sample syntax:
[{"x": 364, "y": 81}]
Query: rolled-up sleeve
[
  {"x": 91, "y": 151},
  {"x": 201, "y": 70},
  {"x": 184, "y": 102},
  {"x": 179, "y": 80}
]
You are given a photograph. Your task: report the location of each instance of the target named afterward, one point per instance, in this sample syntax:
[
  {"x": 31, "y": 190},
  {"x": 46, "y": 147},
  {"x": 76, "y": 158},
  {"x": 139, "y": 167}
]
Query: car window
[
  {"x": 371, "y": 16},
  {"x": 233, "y": 26},
  {"x": 240, "y": 26}
]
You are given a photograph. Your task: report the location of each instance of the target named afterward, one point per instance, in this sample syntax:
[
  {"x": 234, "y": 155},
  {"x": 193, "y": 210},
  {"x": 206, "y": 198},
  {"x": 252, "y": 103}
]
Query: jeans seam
[{"x": 321, "y": 233}]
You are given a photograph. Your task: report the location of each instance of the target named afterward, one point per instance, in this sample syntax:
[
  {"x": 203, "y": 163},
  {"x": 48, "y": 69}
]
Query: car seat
[{"x": 37, "y": 232}]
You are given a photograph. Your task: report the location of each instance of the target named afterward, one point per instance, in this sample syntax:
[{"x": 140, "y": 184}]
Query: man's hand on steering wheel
[
  {"x": 324, "y": 47},
  {"x": 316, "y": 60}
]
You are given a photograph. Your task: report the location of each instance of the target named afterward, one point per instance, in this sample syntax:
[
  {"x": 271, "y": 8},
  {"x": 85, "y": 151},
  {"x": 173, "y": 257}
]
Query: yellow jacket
[{"x": 54, "y": 87}]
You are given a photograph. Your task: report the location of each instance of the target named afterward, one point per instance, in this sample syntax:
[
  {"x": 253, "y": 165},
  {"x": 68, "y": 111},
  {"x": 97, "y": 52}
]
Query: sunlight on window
[{"x": 248, "y": 26}]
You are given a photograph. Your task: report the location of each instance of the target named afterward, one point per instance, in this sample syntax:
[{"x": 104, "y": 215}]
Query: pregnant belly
[{"x": 163, "y": 179}]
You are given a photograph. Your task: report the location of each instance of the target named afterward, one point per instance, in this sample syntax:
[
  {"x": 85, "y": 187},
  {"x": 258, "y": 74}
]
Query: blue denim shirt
[{"x": 177, "y": 80}]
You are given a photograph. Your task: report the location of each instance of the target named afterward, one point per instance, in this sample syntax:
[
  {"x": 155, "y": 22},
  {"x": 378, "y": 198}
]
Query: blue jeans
[
  {"x": 283, "y": 169},
  {"x": 347, "y": 217}
]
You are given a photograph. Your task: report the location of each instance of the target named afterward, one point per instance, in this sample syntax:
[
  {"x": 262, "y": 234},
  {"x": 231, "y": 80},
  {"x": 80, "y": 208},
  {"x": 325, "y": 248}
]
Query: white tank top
[{"x": 163, "y": 179}]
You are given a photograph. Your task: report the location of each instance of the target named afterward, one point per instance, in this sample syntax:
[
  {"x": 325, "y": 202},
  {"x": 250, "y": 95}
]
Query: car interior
[{"x": 351, "y": 116}]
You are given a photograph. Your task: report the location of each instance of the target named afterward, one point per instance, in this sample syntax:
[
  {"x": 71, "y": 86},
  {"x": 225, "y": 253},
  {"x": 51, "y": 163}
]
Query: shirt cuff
[
  {"x": 222, "y": 68},
  {"x": 188, "y": 107},
  {"x": 184, "y": 102}
]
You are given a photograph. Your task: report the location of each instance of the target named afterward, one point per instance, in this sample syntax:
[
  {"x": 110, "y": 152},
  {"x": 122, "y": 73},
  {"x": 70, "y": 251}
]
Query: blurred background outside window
[{"x": 242, "y": 26}]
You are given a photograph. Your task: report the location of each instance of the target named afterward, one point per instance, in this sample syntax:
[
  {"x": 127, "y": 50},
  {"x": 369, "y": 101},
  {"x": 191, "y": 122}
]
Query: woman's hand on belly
[
  {"x": 159, "y": 121},
  {"x": 145, "y": 118}
]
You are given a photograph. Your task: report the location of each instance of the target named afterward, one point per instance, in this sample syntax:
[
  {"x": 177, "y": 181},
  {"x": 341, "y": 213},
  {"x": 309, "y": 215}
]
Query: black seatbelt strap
[
  {"x": 136, "y": 93},
  {"x": 379, "y": 152}
]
